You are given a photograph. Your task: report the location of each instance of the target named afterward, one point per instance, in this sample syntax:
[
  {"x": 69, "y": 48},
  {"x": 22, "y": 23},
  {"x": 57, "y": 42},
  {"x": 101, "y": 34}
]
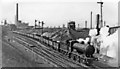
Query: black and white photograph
[{"x": 59, "y": 34}]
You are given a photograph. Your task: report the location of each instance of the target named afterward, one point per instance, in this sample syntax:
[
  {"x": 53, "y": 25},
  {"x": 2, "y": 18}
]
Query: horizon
[{"x": 59, "y": 13}]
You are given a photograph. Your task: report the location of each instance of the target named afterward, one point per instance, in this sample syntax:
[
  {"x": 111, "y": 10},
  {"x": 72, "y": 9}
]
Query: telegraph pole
[
  {"x": 104, "y": 23},
  {"x": 35, "y": 23},
  {"x": 42, "y": 26},
  {"x": 39, "y": 24},
  {"x": 78, "y": 26},
  {"x": 5, "y": 22},
  {"x": 101, "y": 5}
]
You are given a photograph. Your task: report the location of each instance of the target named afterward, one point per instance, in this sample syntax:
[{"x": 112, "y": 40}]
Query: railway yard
[
  {"x": 29, "y": 52},
  {"x": 49, "y": 56}
]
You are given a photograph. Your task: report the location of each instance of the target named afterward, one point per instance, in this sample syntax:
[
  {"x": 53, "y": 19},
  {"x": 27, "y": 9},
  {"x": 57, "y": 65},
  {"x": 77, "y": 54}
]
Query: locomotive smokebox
[{"x": 86, "y": 49}]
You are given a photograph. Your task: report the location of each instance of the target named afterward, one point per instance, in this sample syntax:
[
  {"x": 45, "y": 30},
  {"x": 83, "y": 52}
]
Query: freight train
[{"x": 82, "y": 53}]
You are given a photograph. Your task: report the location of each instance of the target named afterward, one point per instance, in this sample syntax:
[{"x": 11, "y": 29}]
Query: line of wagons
[{"x": 82, "y": 53}]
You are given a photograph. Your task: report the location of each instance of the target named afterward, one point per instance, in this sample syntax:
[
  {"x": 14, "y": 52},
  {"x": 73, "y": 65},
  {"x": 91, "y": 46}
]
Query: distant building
[
  {"x": 71, "y": 25},
  {"x": 12, "y": 27},
  {"x": 37, "y": 27},
  {"x": 63, "y": 25},
  {"x": 21, "y": 24}
]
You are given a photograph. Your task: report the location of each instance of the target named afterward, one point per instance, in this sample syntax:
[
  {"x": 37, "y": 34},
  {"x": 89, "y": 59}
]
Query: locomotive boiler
[{"x": 86, "y": 49}]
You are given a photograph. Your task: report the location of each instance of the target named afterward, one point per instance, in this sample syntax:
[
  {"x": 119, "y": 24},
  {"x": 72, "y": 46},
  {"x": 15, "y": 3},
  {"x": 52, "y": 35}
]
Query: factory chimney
[
  {"x": 17, "y": 11},
  {"x": 35, "y": 23},
  {"x": 85, "y": 24},
  {"x": 97, "y": 26},
  {"x": 91, "y": 20},
  {"x": 16, "y": 16},
  {"x": 101, "y": 5}
]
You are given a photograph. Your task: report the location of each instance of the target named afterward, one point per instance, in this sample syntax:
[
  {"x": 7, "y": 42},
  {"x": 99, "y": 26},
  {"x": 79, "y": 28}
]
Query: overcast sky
[{"x": 58, "y": 12}]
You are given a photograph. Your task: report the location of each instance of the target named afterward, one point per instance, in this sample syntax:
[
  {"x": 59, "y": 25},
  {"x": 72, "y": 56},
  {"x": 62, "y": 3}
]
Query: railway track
[
  {"x": 52, "y": 57},
  {"x": 56, "y": 54},
  {"x": 36, "y": 51},
  {"x": 62, "y": 59}
]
